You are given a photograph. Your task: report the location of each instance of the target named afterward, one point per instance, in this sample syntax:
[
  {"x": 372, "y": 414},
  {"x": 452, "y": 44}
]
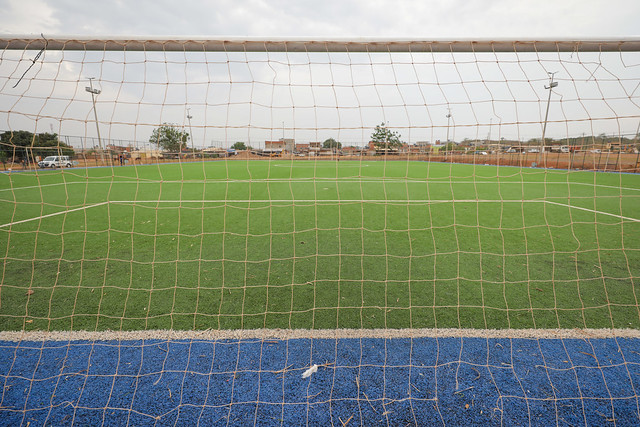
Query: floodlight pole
[
  {"x": 94, "y": 92},
  {"x": 552, "y": 84},
  {"x": 489, "y": 134},
  {"x": 189, "y": 117},
  {"x": 448, "y": 121}
]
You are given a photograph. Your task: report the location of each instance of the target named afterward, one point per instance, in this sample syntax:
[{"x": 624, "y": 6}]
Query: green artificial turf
[{"x": 318, "y": 244}]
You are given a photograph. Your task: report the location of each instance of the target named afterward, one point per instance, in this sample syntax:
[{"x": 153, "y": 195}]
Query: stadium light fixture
[
  {"x": 93, "y": 93},
  {"x": 448, "y": 121},
  {"x": 189, "y": 117},
  {"x": 552, "y": 84}
]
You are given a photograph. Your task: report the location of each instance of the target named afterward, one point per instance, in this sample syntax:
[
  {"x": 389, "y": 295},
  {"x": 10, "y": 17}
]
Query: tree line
[
  {"x": 169, "y": 137},
  {"x": 22, "y": 145}
]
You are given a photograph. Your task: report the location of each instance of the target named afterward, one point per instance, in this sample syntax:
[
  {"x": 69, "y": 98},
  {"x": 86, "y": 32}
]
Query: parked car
[
  {"x": 481, "y": 153},
  {"x": 55, "y": 162}
]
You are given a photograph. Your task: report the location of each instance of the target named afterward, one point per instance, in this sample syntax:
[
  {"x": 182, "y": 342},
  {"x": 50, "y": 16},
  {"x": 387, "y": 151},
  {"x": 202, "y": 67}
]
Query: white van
[
  {"x": 55, "y": 161},
  {"x": 560, "y": 149}
]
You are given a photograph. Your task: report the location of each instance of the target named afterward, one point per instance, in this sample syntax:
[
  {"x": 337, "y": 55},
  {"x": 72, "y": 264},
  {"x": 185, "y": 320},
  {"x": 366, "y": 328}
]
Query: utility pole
[
  {"x": 93, "y": 93},
  {"x": 448, "y": 121},
  {"x": 552, "y": 84},
  {"x": 189, "y": 117},
  {"x": 489, "y": 134}
]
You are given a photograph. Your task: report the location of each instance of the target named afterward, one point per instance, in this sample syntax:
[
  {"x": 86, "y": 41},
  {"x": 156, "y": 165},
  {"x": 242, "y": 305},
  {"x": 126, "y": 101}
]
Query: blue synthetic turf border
[{"x": 395, "y": 381}]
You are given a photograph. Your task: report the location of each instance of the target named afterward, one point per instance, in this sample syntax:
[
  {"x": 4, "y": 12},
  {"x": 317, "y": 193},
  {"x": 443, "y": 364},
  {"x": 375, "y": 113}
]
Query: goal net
[{"x": 443, "y": 229}]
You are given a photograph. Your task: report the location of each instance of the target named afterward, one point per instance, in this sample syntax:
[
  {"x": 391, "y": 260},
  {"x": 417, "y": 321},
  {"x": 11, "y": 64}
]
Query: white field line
[
  {"x": 325, "y": 165},
  {"x": 592, "y": 211},
  {"x": 287, "y": 334},
  {"x": 34, "y": 186},
  {"x": 52, "y": 214},
  {"x": 399, "y": 201},
  {"x": 319, "y": 180},
  {"x": 392, "y": 201},
  {"x": 606, "y": 186},
  {"x": 56, "y": 184}
]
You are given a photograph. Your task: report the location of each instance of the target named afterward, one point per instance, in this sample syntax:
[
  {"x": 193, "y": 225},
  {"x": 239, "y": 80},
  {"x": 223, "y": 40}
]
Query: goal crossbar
[{"x": 234, "y": 44}]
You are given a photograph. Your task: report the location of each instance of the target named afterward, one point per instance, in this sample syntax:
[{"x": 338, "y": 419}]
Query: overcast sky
[
  {"x": 222, "y": 113},
  {"x": 328, "y": 18}
]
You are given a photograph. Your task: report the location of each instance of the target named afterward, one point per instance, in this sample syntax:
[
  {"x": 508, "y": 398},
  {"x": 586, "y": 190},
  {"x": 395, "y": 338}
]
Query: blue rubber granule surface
[{"x": 449, "y": 381}]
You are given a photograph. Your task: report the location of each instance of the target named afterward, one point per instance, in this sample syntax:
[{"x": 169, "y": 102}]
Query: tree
[
  {"x": 169, "y": 137},
  {"x": 239, "y": 146},
  {"x": 331, "y": 143},
  {"x": 22, "y": 144},
  {"x": 383, "y": 137}
]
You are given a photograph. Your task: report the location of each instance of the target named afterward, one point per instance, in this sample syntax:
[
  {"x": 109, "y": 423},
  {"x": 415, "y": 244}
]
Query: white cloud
[
  {"x": 331, "y": 18},
  {"x": 28, "y": 16}
]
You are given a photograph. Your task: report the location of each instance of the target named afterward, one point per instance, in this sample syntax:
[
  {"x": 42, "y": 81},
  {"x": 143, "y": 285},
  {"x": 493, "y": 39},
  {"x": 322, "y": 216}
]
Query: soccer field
[{"x": 318, "y": 245}]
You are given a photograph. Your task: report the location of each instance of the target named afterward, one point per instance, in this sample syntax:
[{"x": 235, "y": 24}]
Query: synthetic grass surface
[
  {"x": 446, "y": 381},
  {"x": 318, "y": 244}
]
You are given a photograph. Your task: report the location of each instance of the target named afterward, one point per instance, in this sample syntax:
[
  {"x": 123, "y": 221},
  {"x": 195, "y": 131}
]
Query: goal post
[{"x": 319, "y": 231}]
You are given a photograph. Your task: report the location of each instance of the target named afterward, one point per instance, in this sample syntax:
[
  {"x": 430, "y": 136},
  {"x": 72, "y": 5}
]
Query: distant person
[{"x": 121, "y": 158}]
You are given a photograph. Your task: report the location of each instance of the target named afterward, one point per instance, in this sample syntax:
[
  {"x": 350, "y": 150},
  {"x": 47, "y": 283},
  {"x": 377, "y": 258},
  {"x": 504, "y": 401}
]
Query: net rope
[{"x": 468, "y": 272}]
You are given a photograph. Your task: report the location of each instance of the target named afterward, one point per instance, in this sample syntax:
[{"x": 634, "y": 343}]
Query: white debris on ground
[{"x": 311, "y": 370}]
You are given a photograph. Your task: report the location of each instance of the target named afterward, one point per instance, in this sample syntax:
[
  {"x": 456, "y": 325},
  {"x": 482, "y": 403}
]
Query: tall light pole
[
  {"x": 189, "y": 117},
  {"x": 489, "y": 134},
  {"x": 448, "y": 120},
  {"x": 93, "y": 93},
  {"x": 552, "y": 84}
]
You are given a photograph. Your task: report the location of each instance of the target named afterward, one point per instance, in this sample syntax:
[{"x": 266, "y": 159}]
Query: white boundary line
[
  {"x": 327, "y": 201},
  {"x": 398, "y": 201},
  {"x": 286, "y": 334},
  {"x": 300, "y": 201},
  {"x": 52, "y": 214},
  {"x": 592, "y": 211},
  {"x": 323, "y": 180},
  {"x": 325, "y": 164}
]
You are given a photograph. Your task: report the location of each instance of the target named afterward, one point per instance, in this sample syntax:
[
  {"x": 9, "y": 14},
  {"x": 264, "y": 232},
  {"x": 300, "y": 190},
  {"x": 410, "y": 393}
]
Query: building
[
  {"x": 273, "y": 146},
  {"x": 118, "y": 148},
  {"x": 426, "y": 146},
  {"x": 353, "y": 151},
  {"x": 302, "y": 148},
  {"x": 280, "y": 146},
  {"x": 315, "y": 146},
  {"x": 377, "y": 148},
  {"x": 289, "y": 144},
  {"x": 310, "y": 149},
  {"x": 214, "y": 152},
  {"x": 147, "y": 154}
]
